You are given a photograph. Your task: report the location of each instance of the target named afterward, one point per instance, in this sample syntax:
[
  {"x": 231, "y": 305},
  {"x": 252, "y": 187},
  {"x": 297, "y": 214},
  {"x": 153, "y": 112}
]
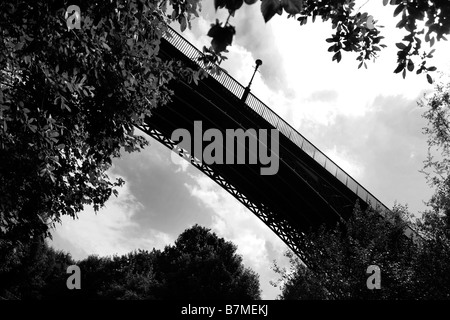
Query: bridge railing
[{"x": 270, "y": 116}]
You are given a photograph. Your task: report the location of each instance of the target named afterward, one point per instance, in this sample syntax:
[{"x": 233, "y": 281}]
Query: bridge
[{"x": 308, "y": 190}]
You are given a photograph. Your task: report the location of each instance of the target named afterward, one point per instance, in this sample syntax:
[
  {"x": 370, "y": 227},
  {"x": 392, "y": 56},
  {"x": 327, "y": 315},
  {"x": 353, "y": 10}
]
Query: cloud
[
  {"x": 108, "y": 231},
  {"x": 323, "y": 95},
  {"x": 159, "y": 185},
  {"x": 253, "y": 40},
  {"x": 258, "y": 245},
  {"x": 383, "y": 150}
]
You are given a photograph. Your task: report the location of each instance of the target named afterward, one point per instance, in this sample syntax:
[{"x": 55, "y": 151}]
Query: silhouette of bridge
[{"x": 309, "y": 188}]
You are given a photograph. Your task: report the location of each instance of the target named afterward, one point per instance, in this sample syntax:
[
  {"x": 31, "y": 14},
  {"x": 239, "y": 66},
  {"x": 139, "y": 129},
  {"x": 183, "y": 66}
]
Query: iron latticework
[
  {"x": 282, "y": 228},
  {"x": 310, "y": 189}
]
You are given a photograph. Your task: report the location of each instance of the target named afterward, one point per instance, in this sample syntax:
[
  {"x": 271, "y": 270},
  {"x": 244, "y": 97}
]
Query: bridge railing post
[{"x": 245, "y": 95}]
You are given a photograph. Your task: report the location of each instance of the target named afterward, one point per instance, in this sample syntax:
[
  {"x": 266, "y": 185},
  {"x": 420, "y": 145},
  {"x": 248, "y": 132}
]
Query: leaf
[
  {"x": 399, "y": 9},
  {"x": 401, "y": 23},
  {"x": 105, "y": 45},
  {"x": 183, "y": 23},
  {"x": 222, "y": 36},
  {"x": 219, "y": 4},
  {"x": 292, "y": 6},
  {"x": 233, "y": 5},
  {"x": 401, "y": 45},
  {"x": 214, "y": 31},
  {"x": 385, "y": 2},
  {"x": 269, "y": 8},
  {"x": 432, "y": 69},
  {"x": 337, "y": 56},
  {"x": 250, "y": 1},
  {"x": 432, "y": 42},
  {"x": 410, "y": 65},
  {"x": 430, "y": 80},
  {"x": 399, "y": 68}
]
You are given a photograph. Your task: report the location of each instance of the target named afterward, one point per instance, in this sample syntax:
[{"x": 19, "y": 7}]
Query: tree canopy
[
  {"x": 69, "y": 102},
  {"x": 355, "y": 31},
  {"x": 437, "y": 165},
  {"x": 200, "y": 265},
  {"x": 411, "y": 270}
]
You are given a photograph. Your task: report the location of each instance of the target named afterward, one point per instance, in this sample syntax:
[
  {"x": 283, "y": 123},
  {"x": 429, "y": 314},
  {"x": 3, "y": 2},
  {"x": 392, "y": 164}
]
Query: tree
[
  {"x": 126, "y": 277},
  {"x": 69, "y": 102},
  {"x": 138, "y": 281},
  {"x": 437, "y": 165},
  {"x": 31, "y": 269},
  {"x": 199, "y": 266},
  {"x": 355, "y": 31},
  {"x": 299, "y": 283},
  {"x": 435, "y": 222},
  {"x": 203, "y": 266},
  {"x": 410, "y": 269}
]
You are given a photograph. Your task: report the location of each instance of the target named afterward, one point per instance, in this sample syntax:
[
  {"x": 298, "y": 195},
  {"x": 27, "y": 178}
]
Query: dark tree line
[
  {"x": 410, "y": 269},
  {"x": 200, "y": 265}
]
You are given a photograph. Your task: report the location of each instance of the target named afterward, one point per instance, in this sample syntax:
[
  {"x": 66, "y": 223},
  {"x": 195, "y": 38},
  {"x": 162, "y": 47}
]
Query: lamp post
[{"x": 247, "y": 89}]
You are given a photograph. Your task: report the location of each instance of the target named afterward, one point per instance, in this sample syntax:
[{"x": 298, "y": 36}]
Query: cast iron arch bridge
[{"x": 309, "y": 188}]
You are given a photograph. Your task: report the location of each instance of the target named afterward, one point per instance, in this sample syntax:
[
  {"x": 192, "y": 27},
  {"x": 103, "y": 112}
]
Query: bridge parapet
[{"x": 276, "y": 121}]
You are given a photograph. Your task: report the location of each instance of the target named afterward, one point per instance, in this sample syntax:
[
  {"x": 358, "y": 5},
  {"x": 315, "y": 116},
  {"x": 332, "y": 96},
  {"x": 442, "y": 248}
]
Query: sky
[{"x": 366, "y": 120}]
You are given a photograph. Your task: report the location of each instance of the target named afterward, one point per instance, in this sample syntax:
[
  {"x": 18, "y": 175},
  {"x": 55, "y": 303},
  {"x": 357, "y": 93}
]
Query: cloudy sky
[{"x": 367, "y": 121}]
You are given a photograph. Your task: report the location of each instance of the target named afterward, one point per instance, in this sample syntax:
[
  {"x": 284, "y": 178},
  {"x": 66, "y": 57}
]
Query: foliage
[
  {"x": 69, "y": 101},
  {"x": 126, "y": 277},
  {"x": 203, "y": 266},
  {"x": 299, "y": 282},
  {"x": 199, "y": 266},
  {"x": 352, "y": 32},
  {"x": 409, "y": 269},
  {"x": 437, "y": 166},
  {"x": 27, "y": 270}
]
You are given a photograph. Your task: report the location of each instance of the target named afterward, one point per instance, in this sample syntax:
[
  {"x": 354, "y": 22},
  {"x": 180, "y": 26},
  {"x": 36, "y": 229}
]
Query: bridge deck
[{"x": 309, "y": 188}]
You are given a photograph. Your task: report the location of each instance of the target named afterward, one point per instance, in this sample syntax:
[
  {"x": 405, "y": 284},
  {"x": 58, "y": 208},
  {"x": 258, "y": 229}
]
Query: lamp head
[{"x": 258, "y": 62}]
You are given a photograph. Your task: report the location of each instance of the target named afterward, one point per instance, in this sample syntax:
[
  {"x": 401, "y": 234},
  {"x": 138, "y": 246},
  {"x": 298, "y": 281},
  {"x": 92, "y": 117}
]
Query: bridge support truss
[{"x": 293, "y": 238}]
